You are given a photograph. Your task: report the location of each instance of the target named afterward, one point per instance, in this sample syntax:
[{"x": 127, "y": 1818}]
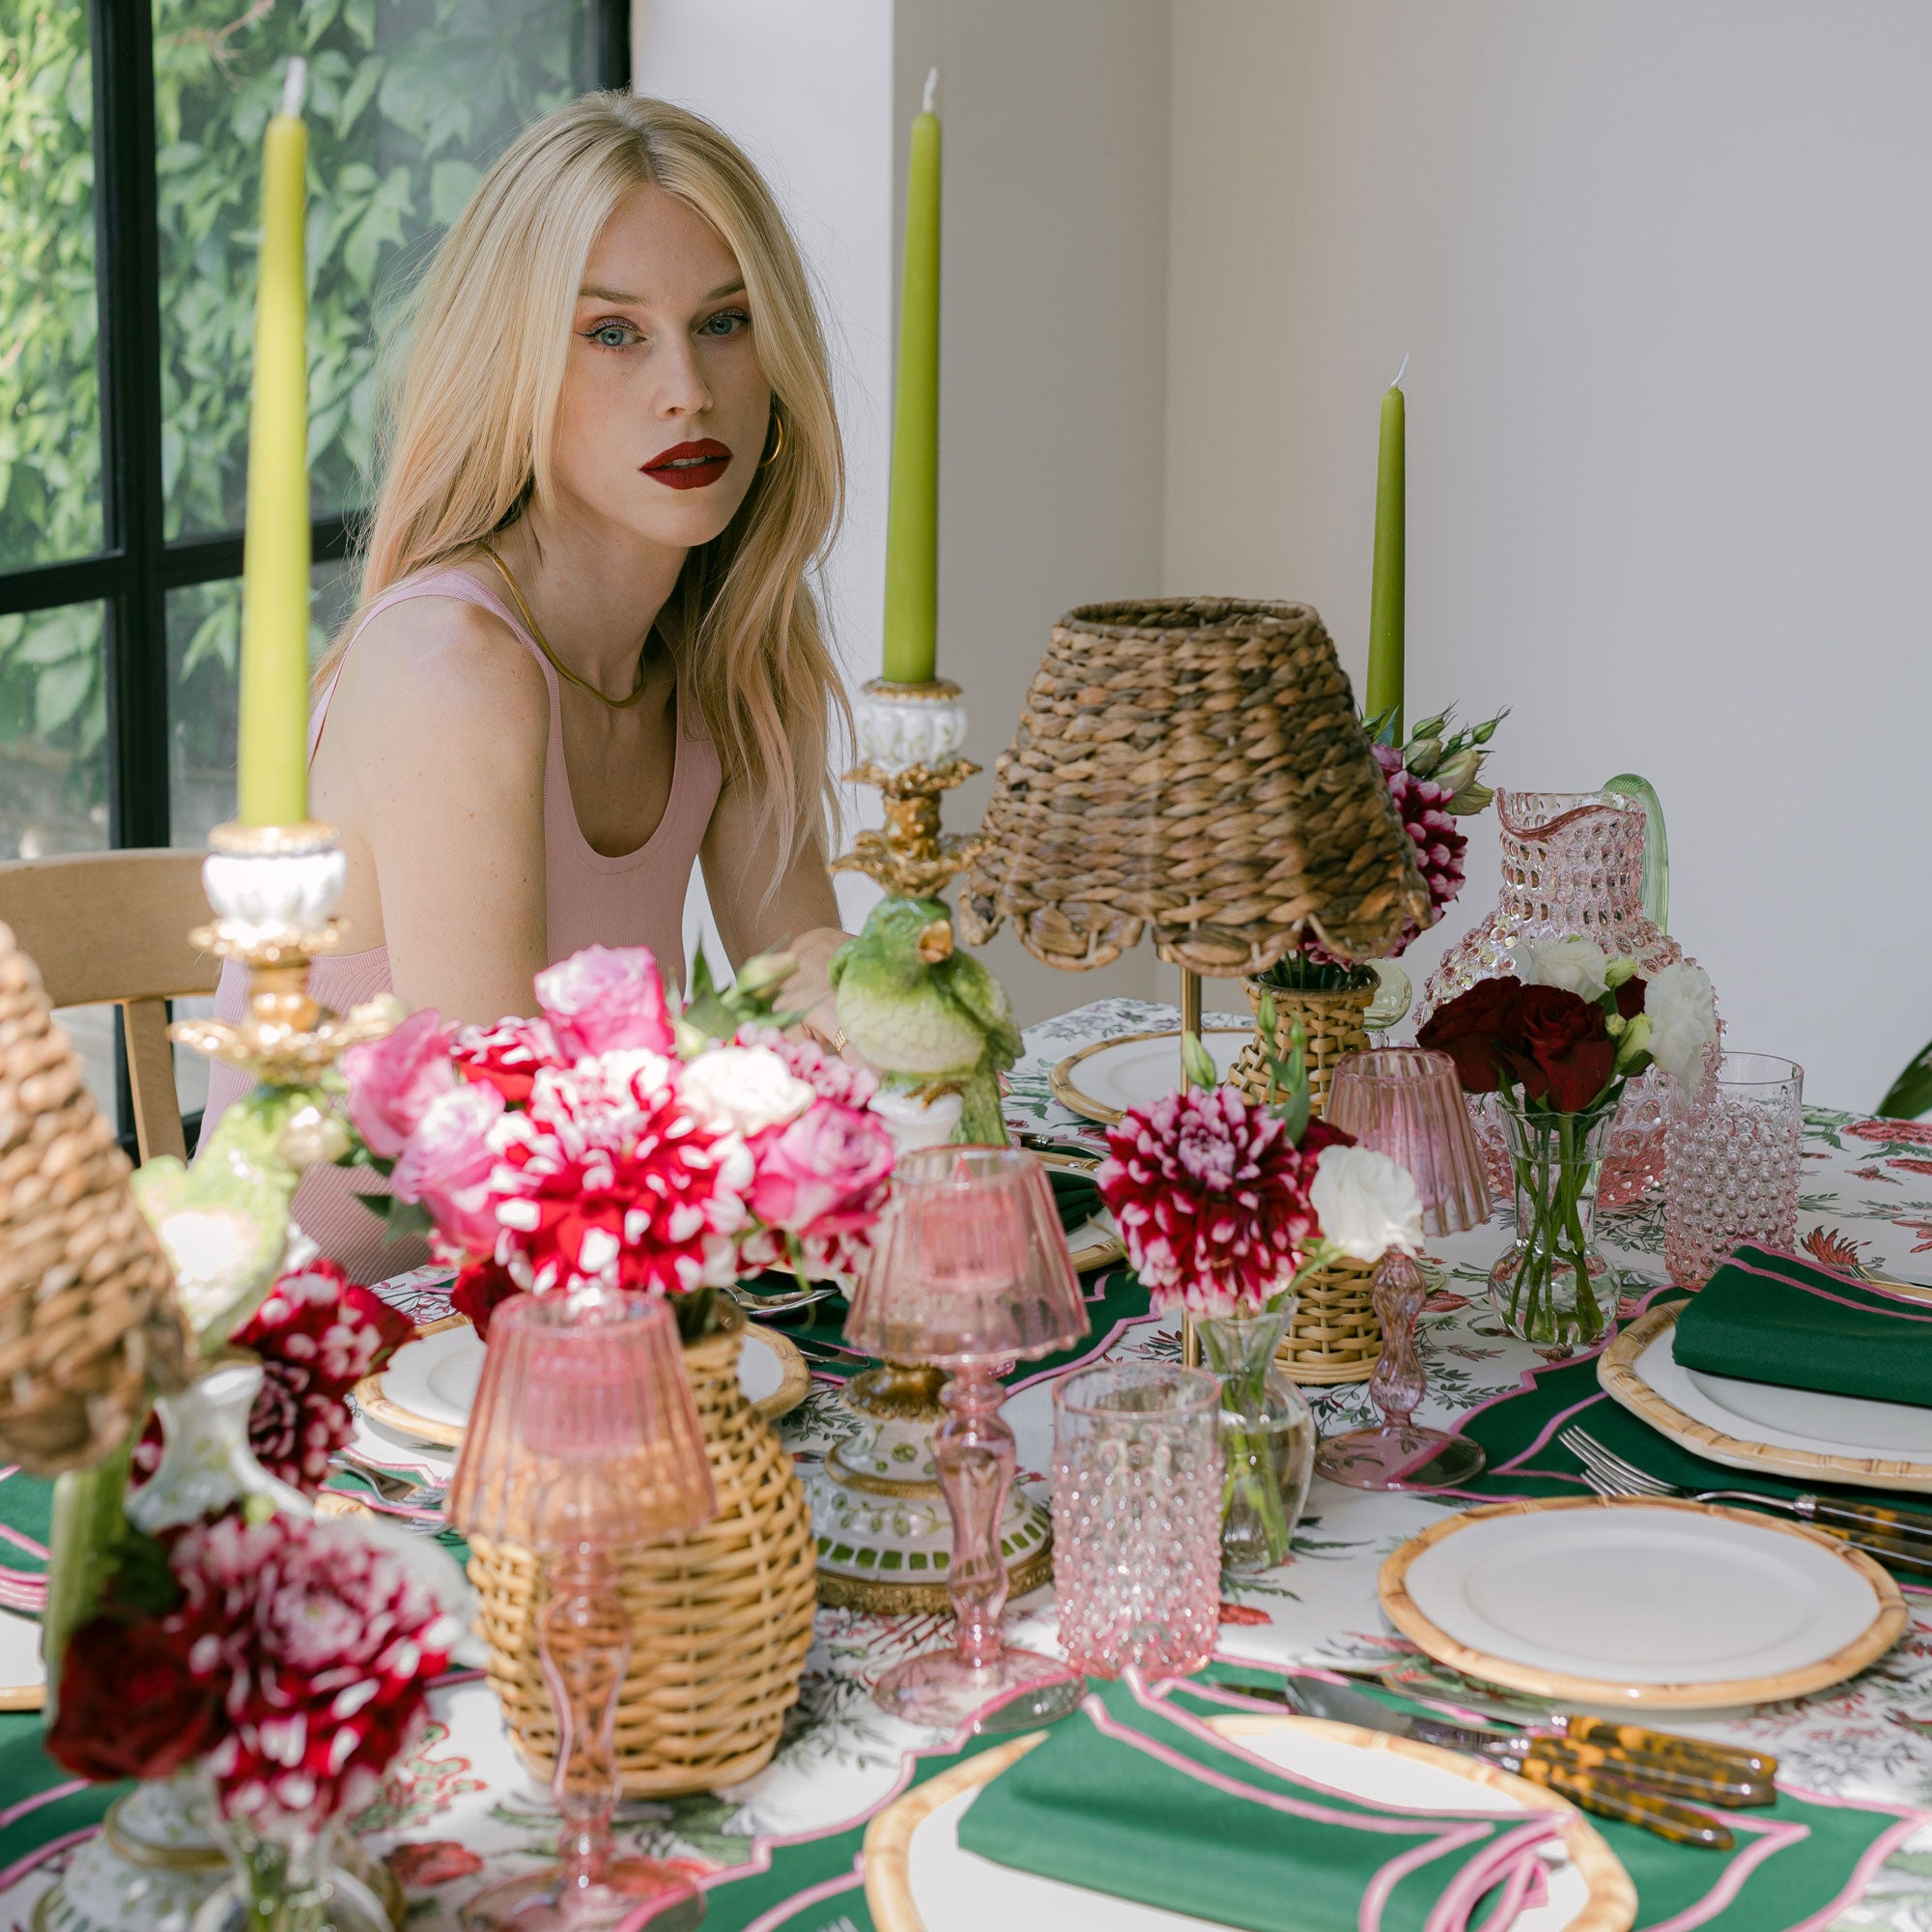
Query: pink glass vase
[{"x": 1573, "y": 865}]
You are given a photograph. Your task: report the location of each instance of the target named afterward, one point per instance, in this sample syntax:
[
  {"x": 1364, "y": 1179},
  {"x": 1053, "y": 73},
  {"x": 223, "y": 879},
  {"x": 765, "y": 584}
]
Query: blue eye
[
  {"x": 612, "y": 336},
  {"x": 726, "y": 322}
]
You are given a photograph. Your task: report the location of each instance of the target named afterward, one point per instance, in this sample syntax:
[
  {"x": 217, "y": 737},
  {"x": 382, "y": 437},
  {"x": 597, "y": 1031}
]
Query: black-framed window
[{"x": 127, "y": 232}]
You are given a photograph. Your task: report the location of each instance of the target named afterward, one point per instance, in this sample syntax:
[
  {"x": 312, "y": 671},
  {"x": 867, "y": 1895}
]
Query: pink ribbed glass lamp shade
[
  {"x": 970, "y": 1270},
  {"x": 1406, "y": 1102},
  {"x": 584, "y": 1443}
]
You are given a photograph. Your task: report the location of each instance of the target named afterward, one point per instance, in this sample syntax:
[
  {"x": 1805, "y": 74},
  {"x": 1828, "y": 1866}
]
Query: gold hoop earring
[{"x": 778, "y": 448}]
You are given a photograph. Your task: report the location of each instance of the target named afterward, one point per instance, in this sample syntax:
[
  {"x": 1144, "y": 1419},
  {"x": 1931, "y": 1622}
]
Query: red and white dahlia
[
  {"x": 324, "y": 1638},
  {"x": 1211, "y": 1198}
]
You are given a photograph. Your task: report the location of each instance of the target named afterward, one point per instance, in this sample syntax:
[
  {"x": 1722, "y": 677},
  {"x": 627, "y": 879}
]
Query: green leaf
[
  {"x": 1909, "y": 1095},
  {"x": 451, "y": 184},
  {"x": 60, "y": 694}
]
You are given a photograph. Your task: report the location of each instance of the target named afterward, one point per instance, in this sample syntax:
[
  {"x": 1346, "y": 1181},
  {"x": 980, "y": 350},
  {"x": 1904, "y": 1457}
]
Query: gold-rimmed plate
[
  {"x": 1807, "y": 1434},
  {"x": 429, "y": 1385},
  {"x": 1641, "y": 1602},
  {"x": 918, "y": 1879},
  {"x": 1102, "y": 1081}
]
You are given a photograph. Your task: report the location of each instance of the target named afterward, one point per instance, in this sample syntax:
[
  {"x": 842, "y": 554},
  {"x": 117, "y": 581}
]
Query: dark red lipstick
[{"x": 690, "y": 466}]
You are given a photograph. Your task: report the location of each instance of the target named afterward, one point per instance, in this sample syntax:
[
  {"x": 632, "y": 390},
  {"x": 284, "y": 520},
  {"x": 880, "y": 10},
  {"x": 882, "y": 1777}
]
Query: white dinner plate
[
  {"x": 1616, "y": 1600},
  {"x": 1805, "y": 1434},
  {"x": 429, "y": 1385},
  {"x": 1102, "y": 1082},
  {"x": 23, "y": 1677},
  {"x": 919, "y": 1878}
]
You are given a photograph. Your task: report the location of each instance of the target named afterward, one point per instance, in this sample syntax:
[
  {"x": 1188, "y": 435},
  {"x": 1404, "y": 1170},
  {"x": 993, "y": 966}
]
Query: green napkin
[
  {"x": 1077, "y": 1196},
  {"x": 1135, "y": 1797},
  {"x": 1770, "y": 1317}
]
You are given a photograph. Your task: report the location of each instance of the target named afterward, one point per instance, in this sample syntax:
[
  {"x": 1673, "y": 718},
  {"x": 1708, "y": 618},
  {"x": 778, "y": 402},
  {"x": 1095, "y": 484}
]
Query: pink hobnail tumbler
[
  {"x": 1137, "y": 1470},
  {"x": 970, "y": 1270},
  {"x": 1730, "y": 1171},
  {"x": 1406, "y": 1102}
]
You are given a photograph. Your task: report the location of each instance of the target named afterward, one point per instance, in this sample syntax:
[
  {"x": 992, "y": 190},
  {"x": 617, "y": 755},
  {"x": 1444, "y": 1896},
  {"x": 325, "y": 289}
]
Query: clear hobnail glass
[
  {"x": 1732, "y": 1170},
  {"x": 1137, "y": 1517},
  {"x": 1552, "y": 1284},
  {"x": 1572, "y": 863},
  {"x": 1267, "y": 1437}
]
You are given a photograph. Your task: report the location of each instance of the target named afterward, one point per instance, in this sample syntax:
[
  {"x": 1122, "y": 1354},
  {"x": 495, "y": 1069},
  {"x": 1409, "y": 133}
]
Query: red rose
[
  {"x": 1630, "y": 997},
  {"x": 130, "y": 1707},
  {"x": 1564, "y": 1053},
  {"x": 1472, "y": 1029},
  {"x": 480, "y": 1289}
]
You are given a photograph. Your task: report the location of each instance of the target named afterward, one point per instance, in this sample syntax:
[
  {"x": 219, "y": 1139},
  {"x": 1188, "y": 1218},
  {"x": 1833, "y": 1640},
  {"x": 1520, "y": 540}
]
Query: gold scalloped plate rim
[
  {"x": 1620, "y": 1378},
  {"x": 1610, "y": 1904},
  {"x": 1068, "y": 1094},
  {"x": 792, "y": 1389},
  {"x": 1888, "y": 1625}
]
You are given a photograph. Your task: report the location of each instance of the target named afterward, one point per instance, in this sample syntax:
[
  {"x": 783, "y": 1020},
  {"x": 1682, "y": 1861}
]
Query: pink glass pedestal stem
[
  {"x": 583, "y": 1642},
  {"x": 1399, "y": 1455}
]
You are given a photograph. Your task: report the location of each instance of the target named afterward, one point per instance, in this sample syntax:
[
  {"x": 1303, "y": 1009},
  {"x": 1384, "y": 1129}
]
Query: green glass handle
[{"x": 1655, "y": 844}]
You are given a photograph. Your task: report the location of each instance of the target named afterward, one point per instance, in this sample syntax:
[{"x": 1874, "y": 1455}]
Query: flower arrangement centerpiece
[
  {"x": 1434, "y": 780},
  {"x": 1556, "y": 1046},
  {"x": 1223, "y": 1204}
]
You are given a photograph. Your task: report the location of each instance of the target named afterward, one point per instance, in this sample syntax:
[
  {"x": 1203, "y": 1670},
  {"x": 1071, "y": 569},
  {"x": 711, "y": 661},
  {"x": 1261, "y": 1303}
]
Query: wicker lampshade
[{"x": 1194, "y": 766}]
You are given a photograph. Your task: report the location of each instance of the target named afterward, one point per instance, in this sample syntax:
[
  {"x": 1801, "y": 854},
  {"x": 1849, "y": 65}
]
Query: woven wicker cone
[
  {"x": 720, "y": 1619},
  {"x": 1196, "y": 766},
  {"x": 1335, "y": 1335},
  {"x": 1333, "y": 1021},
  {"x": 87, "y": 1309}
]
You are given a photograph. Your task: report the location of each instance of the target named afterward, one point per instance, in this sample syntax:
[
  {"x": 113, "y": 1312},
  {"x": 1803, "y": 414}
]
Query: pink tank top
[{"x": 636, "y": 899}]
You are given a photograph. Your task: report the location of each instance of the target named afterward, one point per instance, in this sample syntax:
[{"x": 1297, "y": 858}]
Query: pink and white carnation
[
  {"x": 609, "y": 1176},
  {"x": 1212, "y": 1199},
  {"x": 448, "y": 1164},
  {"x": 394, "y": 1081},
  {"x": 606, "y": 1000},
  {"x": 507, "y": 1055},
  {"x": 324, "y": 1638}
]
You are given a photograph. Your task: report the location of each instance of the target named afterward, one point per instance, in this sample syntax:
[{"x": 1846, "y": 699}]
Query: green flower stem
[
  {"x": 87, "y": 1532},
  {"x": 1249, "y": 1481}
]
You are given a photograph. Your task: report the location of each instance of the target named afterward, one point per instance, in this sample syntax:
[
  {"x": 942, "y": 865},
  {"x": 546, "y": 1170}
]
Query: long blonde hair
[{"x": 467, "y": 438}]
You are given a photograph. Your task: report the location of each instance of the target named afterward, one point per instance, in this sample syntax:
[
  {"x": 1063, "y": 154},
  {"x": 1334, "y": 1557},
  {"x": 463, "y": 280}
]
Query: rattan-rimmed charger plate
[
  {"x": 1223, "y": 1043},
  {"x": 1641, "y": 1602},
  {"x": 375, "y": 1400},
  {"x": 1609, "y": 1902},
  {"x": 1094, "y": 1244},
  {"x": 1810, "y": 1436}
]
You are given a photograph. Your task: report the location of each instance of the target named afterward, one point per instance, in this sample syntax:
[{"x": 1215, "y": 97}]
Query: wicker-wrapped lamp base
[
  {"x": 1335, "y": 1335},
  {"x": 1335, "y": 1022},
  {"x": 720, "y": 1619}
]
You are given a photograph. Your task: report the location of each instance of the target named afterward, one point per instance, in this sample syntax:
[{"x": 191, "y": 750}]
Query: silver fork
[
  {"x": 779, "y": 1304},
  {"x": 1890, "y": 1534}
]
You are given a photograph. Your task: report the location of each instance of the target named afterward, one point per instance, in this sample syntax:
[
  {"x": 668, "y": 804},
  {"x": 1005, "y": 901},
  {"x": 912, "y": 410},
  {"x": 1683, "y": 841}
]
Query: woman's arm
[
  {"x": 440, "y": 728},
  {"x": 800, "y": 916}
]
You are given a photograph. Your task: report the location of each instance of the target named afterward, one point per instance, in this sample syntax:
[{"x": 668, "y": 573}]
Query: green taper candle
[
  {"x": 912, "y": 524},
  {"x": 1385, "y": 604}
]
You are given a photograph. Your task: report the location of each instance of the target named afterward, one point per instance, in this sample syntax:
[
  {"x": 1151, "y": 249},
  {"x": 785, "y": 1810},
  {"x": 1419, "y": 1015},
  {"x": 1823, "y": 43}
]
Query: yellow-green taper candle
[
  {"x": 1386, "y": 601},
  {"x": 272, "y": 780},
  {"x": 912, "y": 523}
]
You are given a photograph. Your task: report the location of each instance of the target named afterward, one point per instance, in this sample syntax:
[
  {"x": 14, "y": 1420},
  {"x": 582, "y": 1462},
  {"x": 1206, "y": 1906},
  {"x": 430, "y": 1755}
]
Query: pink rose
[
  {"x": 606, "y": 997},
  {"x": 826, "y": 1164},
  {"x": 447, "y": 1162},
  {"x": 393, "y": 1082}
]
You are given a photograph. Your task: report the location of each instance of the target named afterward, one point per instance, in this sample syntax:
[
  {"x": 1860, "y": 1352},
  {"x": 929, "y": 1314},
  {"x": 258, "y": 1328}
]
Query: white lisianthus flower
[
  {"x": 1577, "y": 965},
  {"x": 1366, "y": 1203},
  {"x": 749, "y": 1088},
  {"x": 1682, "y": 1009}
]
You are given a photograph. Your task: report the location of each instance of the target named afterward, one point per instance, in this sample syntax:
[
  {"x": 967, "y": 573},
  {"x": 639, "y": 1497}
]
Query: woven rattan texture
[
  {"x": 1335, "y": 1023},
  {"x": 720, "y": 1619},
  {"x": 1335, "y": 1335},
  {"x": 1193, "y": 766},
  {"x": 87, "y": 1309}
]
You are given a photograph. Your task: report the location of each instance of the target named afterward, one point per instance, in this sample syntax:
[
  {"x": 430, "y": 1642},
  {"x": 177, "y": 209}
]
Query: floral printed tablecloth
[{"x": 462, "y": 1805}]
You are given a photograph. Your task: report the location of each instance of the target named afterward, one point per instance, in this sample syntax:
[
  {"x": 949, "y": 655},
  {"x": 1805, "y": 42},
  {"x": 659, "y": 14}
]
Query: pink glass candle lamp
[
  {"x": 970, "y": 1272},
  {"x": 1406, "y": 1102},
  {"x": 584, "y": 1443}
]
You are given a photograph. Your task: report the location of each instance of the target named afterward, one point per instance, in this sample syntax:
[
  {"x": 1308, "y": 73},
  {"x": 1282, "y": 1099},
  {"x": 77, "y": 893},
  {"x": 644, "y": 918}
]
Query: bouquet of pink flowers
[{"x": 612, "y": 1143}]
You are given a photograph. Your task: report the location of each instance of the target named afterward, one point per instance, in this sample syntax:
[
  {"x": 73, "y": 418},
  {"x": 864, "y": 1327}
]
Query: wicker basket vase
[
  {"x": 1335, "y": 1334},
  {"x": 720, "y": 1619},
  {"x": 1335, "y": 1023}
]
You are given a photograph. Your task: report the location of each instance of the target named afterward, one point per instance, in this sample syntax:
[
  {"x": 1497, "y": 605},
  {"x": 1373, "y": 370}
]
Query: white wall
[{"x": 1663, "y": 269}]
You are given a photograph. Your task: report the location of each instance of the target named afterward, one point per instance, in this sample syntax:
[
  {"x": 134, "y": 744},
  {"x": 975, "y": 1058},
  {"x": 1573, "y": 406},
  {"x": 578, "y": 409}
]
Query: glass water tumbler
[
  {"x": 1731, "y": 1168},
  {"x": 1137, "y": 1517}
]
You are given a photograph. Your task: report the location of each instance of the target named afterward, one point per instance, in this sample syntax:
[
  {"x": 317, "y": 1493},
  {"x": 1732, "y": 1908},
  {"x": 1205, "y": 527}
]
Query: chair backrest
[{"x": 113, "y": 926}]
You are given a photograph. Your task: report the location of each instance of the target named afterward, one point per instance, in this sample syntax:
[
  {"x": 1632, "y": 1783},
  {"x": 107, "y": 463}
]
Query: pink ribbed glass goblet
[
  {"x": 970, "y": 1270},
  {"x": 583, "y": 1442}
]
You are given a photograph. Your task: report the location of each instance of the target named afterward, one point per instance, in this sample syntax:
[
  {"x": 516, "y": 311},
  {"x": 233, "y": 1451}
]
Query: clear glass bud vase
[
  {"x": 1552, "y": 1285},
  {"x": 309, "y": 1881},
  {"x": 1267, "y": 1437}
]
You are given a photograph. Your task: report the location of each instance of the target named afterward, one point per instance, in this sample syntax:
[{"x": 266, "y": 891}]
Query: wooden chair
[{"x": 112, "y": 927}]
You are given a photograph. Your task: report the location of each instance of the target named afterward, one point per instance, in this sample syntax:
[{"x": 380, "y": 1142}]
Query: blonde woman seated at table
[{"x": 585, "y": 652}]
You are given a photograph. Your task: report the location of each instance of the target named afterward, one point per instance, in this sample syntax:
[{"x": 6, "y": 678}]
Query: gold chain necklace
[{"x": 550, "y": 657}]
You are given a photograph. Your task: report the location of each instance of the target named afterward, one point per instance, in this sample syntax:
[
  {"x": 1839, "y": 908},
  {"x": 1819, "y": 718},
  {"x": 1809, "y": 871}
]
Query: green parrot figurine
[{"x": 928, "y": 1016}]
